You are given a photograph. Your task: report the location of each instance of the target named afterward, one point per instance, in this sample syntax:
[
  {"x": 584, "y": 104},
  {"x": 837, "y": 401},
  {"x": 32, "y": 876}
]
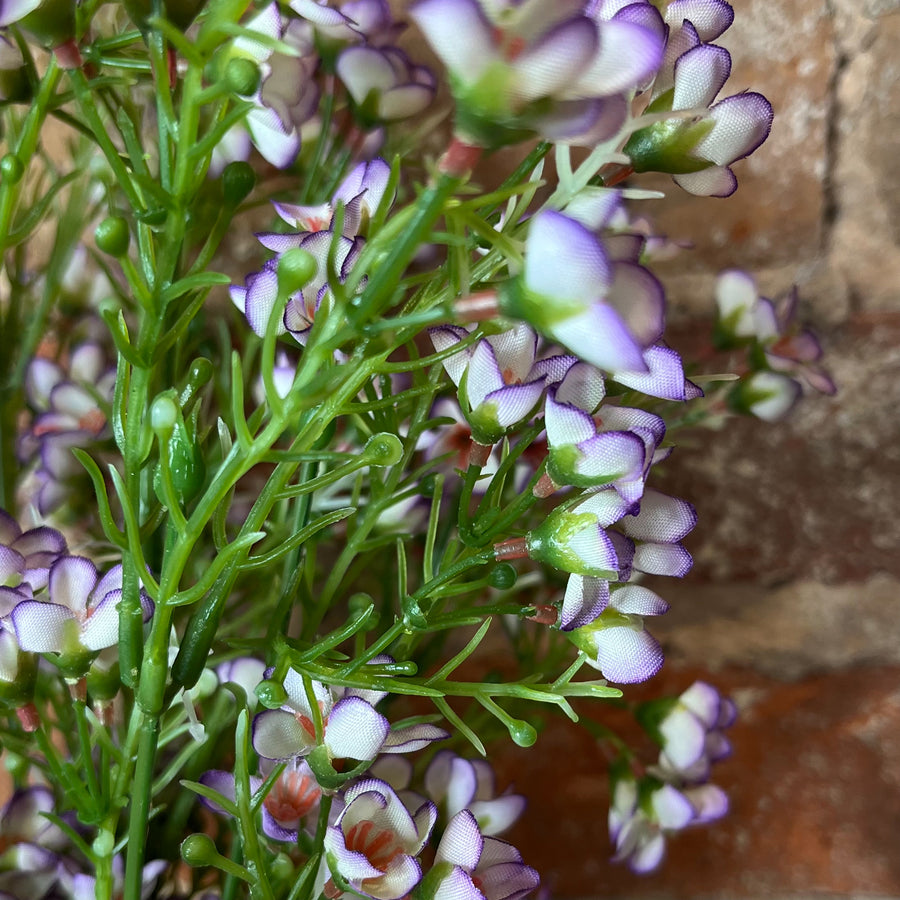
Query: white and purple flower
[
  {"x": 692, "y": 733},
  {"x": 293, "y": 796},
  {"x": 539, "y": 68},
  {"x": 499, "y": 379},
  {"x": 374, "y": 843},
  {"x": 79, "y": 616},
  {"x": 570, "y": 291},
  {"x": 457, "y": 784},
  {"x": 470, "y": 866}
]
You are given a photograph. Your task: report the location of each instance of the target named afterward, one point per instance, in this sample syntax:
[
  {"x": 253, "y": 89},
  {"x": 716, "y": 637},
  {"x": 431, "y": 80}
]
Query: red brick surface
[{"x": 814, "y": 784}]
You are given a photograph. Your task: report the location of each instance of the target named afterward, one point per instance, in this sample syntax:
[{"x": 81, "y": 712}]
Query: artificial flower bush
[{"x": 252, "y": 552}]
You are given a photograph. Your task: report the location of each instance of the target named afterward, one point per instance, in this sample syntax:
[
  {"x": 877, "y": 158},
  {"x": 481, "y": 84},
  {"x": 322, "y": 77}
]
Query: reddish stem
[
  {"x": 477, "y": 307},
  {"x": 68, "y": 55},
  {"x": 512, "y": 548},
  {"x": 28, "y": 717},
  {"x": 459, "y": 158},
  {"x": 545, "y": 486},
  {"x": 479, "y": 454}
]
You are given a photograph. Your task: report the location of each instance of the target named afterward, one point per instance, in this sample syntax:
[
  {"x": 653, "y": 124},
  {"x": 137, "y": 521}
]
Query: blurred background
[{"x": 794, "y": 601}]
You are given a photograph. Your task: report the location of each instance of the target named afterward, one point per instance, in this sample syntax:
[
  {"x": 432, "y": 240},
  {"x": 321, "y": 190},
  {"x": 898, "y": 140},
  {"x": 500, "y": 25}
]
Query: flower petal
[
  {"x": 355, "y": 730},
  {"x": 278, "y": 735}
]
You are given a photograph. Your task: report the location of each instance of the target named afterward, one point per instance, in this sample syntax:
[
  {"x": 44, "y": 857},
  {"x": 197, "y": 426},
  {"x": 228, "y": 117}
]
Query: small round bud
[
  {"x": 153, "y": 217},
  {"x": 199, "y": 850},
  {"x": 428, "y": 484},
  {"x": 242, "y": 76},
  {"x": 522, "y": 733},
  {"x": 163, "y": 414},
  {"x": 296, "y": 268},
  {"x": 281, "y": 868},
  {"x": 112, "y": 236},
  {"x": 200, "y": 373},
  {"x": 271, "y": 694},
  {"x": 502, "y": 577},
  {"x": 383, "y": 449},
  {"x": 238, "y": 180},
  {"x": 11, "y": 168}
]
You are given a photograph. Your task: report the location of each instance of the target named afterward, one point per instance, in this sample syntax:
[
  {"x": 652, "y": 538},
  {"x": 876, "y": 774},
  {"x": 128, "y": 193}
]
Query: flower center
[
  {"x": 379, "y": 847},
  {"x": 292, "y": 797}
]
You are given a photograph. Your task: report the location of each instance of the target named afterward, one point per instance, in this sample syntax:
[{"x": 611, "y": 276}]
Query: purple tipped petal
[
  {"x": 704, "y": 701},
  {"x": 709, "y": 17},
  {"x": 566, "y": 425},
  {"x": 742, "y": 123},
  {"x": 627, "y": 655},
  {"x": 352, "y": 864},
  {"x": 665, "y": 377},
  {"x": 633, "y": 599},
  {"x": 222, "y": 783},
  {"x": 355, "y": 730},
  {"x": 555, "y": 60},
  {"x": 662, "y": 559},
  {"x": 102, "y": 627},
  {"x": 600, "y": 337},
  {"x": 639, "y": 298},
  {"x": 672, "y": 808},
  {"x": 514, "y": 404},
  {"x": 412, "y": 738},
  {"x": 709, "y": 801},
  {"x": 716, "y": 181},
  {"x": 44, "y": 627},
  {"x": 699, "y": 76},
  {"x": 564, "y": 260},
  {"x": 684, "y": 736},
  {"x": 71, "y": 581},
  {"x": 444, "y": 22},
  {"x": 445, "y": 336},
  {"x": 584, "y": 600},
  {"x": 661, "y": 519},
  {"x": 629, "y": 54},
  {"x": 462, "y": 842},
  {"x": 260, "y": 300},
  {"x": 278, "y": 145},
  {"x": 278, "y": 735}
]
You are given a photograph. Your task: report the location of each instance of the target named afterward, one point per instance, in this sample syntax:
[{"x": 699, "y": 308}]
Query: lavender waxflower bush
[{"x": 283, "y": 557}]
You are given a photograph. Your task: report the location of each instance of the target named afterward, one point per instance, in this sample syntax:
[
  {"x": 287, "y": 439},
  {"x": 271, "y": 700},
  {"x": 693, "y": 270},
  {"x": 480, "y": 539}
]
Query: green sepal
[
  {"x": 52, "y": 23},
  {"x": 650, "y": 716},
  {"x": 668, "y": 146},
  {"x": 326, "y": 775},
  {"x": 550, "y": 543},
  {"x": 428, "y": 886},
  {"x": 543, "y": 313},
  {"x": 187, "y": 466},
  {"x": 21, "y": 690}
]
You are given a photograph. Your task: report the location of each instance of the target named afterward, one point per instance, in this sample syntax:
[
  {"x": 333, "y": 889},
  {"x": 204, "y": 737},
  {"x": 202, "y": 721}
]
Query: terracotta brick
[{"x": 814, "y": 784}]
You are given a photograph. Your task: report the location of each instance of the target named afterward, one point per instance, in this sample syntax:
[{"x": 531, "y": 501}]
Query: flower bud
[
  {"x": 502, "y": 577},
  {"x": 199, "y": 850},
  {"x": 271, "y": 694},
  {"x": 11, "y": 168},
  {"x": 383, "y": 449},
  {"x": 238, "y": 180},
  {"x": 296, "y": 268},
  {"x": 112, "y": 236},
  {"x": 187, "y": 468},
  {"x": 242, "y": 76}
]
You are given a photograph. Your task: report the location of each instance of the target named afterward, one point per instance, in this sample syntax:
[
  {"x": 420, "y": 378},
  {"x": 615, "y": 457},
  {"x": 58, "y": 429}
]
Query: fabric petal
[{"x": 355, "y": 730}]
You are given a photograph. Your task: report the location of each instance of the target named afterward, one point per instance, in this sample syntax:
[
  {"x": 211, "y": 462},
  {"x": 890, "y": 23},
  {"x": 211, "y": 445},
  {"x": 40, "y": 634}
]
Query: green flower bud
[
  {"x": 199, "y": 850},
  {"x": 521, "y": 732},
  {"x": 242, "y": 76},
  {"x": 383, "y": 449},
  {"x": 238, "y": 180},
  {"x": 11, "y": 168},
  {"x": 296, "y": 268},
  {"x": 187, "y": 467},
  {"x": 112, "y": 236},
  {"x": 271, "y": 694},
  {"x": 502, "y": 577}
]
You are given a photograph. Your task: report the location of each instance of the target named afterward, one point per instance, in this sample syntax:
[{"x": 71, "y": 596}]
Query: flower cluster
[
  {"x": 781, "y": 355},
  {"x": 71, "y": 409},
  {"x": 675, "y": 794},
  {"x": 294, "y": 56}
]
